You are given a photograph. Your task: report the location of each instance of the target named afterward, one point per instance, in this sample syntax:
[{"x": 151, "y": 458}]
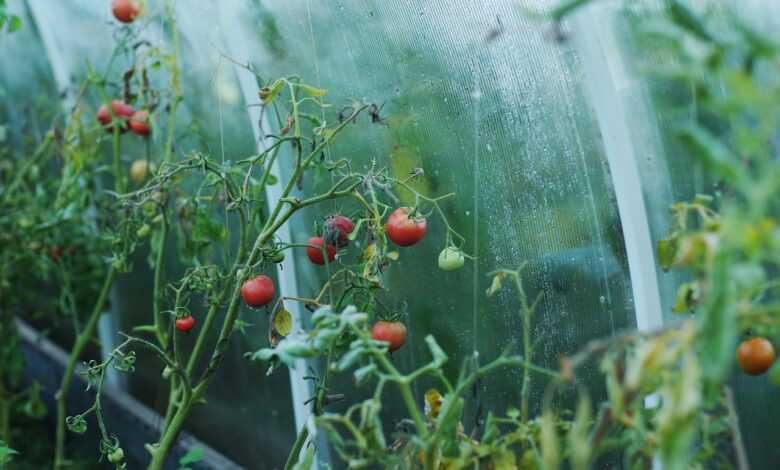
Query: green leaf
[
  {"x": 684, "y": 18},
  {"x": 6, "y": 453},
  {"x": 439, "y": 356},
  {"x": 567, "y": 8},
  {"x": 269, "y": 94},
  {"x": 315, "y": 92},
  {"x": 717, "y": 322},
  {"x": 714, "y": 154},
  {"x": 667, "y": 252},
  {"x": 194, "y": 455},
  {"x": 15, "y": 24}
]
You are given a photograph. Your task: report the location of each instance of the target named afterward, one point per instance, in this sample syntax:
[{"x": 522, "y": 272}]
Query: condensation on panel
[{"x": 489, "y": 107}]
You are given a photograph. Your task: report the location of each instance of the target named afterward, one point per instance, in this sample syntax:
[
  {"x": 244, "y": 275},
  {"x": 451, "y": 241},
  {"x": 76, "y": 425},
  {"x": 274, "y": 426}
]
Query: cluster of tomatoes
[
  {"x": 755, "y": 355},
  {"x": 136, "y": 121},
  {"x": 400, "y": 228}
]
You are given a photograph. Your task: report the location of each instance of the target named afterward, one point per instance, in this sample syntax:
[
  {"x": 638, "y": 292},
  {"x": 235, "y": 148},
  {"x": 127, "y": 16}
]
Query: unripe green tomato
[
  {"x": 277, "y": 257},
  {"x": 143, "y": 231},
  {"x": 117, "y": 455},
  {"x": 166, "y": 373},
  {"x": 451, "y": 259}
]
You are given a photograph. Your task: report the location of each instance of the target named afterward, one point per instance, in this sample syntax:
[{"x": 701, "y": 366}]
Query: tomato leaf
[
  {"x": 280, "y": 325},
  {"x": 313, "y": 91},
  {"x": 194, "y": 455},
  {"x": 717, "y": 322},
  {"x": 273, "y": 91},
  {"x": 433, "y": 402}
]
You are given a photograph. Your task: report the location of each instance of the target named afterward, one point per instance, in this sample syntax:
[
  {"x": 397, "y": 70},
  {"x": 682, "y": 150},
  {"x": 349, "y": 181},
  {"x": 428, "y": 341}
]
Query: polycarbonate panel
[
  {"x": 670, "y": 174},
  {"x": 503, "y": 122},
  {"x": 242, "y": 402}
]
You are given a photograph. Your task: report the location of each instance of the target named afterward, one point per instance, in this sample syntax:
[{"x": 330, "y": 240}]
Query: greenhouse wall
[{"x": 560, "y": 149}]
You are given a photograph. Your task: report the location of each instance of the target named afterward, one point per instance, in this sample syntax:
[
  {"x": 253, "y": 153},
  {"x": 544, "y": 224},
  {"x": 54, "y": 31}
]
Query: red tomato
[
  {"x": 394, "y": 332},
  {"x": 404, "y": 231},
  {"x": 756, "y": 355},
  {"x": 337, "y": 230},
  {"x": 120, "y": 109},
  {"x": 139, "y": 123},
  {"x": 124, "y": 10},
  {"x": 258, "y": 291},
  {"x": 314, "y": 250},
  {"x": 185, "y": 324}
]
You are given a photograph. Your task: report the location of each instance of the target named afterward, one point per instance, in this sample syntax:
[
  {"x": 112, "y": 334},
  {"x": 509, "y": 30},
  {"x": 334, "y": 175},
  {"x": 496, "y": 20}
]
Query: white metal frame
[
  {"x": 604, "y": 76},
  {"x": 286, "y": 271}
]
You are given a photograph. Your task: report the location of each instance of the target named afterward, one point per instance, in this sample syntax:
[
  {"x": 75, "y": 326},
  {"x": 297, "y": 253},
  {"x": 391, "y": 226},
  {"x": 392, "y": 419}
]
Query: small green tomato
[
  {"x": 277, "y": 257},
  {"x": 117, "y": 455},
  {"x": 451, "y": 259}
]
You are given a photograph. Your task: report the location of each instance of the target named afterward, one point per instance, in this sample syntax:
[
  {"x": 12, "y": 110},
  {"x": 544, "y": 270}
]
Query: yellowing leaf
[
  {"x": 368, "y": 253},
  {"x": 393, "y": 255},
  {"x": 433, "y": 402},
  {"x": 315, "y": 92},
  {"x": 495, "y": 286},
  {"x": 280, "y": 327},
  {"x": 404, "y": 162}
]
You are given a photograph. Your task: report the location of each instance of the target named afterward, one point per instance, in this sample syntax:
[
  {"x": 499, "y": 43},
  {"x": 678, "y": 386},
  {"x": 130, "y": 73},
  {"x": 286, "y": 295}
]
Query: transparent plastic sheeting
[{"x": 480, "y": 98}]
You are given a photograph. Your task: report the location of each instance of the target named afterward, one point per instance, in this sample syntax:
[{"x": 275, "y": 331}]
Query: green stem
[
  {"x": 292, "y": 459},
  {"x": 160, "y": 452},
  {"x": 119, "y": 174},
  {"x": 40, "y": 152},
  {"x": 159, "y": 325},
  {"x": 81, "y": 342},
  {"x": 5, "y": 418}
]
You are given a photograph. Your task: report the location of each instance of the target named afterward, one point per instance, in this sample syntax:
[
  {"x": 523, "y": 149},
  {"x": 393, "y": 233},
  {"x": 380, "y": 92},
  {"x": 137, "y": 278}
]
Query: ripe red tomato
[
  {"x": 404, "y": 231},
  {"x": 185, "y": 324},
  {"x": 755, "y": 355},
  {"x": 139, "y": 123},
  {"x": 120, "y": 109},
  {"x": 124, "y": 10},
  {"x": 314, "y": 250},
  {"x": 258, "y": 291},
  {"x": 394, "y": 332},
  {"x": 337, "y": 230}
]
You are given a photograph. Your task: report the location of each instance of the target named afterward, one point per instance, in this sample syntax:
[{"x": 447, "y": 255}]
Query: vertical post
[
  {"x": 286, "y": 271},
  {"x": 107, "y": 325},
  {"x": 604, "y": 77}
]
